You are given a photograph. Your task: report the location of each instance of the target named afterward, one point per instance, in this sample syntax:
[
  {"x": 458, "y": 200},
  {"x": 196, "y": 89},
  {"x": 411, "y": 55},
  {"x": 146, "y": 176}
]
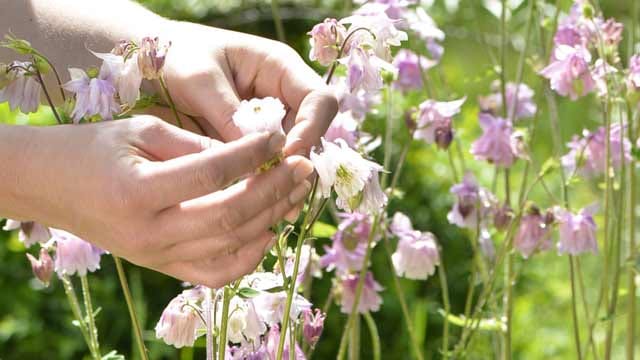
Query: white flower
[
  {"x": 416, "y": 256},
  {"x": 22, "y": 90},
  {"x": 244, "y": 323},
  {"x": 259, "y": 115},
  {"x": 179, "y": 323},
  {"x": 126, "y": 74},
  {"x": 383, "y": 28}
]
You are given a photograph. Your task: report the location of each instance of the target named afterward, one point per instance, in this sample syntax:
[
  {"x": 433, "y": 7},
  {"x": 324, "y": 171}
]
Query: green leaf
[
  {"x": 323, "y": 230},
  {"x": 549, "y": 165},
  {"x": 113, "y": 355},
  {"x": 247, "y": 293},
  {"x": 275, "y": 289},
  {"x": 484, "y": 324}
]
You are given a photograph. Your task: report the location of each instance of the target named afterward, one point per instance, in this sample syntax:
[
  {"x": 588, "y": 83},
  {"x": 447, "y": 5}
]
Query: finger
[
  {"x": 293, "y": 214},
  {"x": 217, "y": 272},
  {"x": 314, "y": 116},
  {"x": 225, "y": 211},
  {"x": 189, "y": 123},
  {"x": 195, "y": 175}
]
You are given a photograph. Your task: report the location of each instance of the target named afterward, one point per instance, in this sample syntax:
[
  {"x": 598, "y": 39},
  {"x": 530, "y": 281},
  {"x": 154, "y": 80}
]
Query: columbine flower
[
  {"x": 326, "y": 39},
  {"x": 309, "y": 263},
  {"x": 434, "y": 121},
  {"x": 424, "y": 26},
  {"x": 577, "y": 231},
  {"x": 93, "y": 96},
  {"x": 151, "y": 57},
  {"x": 370, "y": 300},
  {"x": 42, "y": 267},
  {"x": 357, "y": 103},
  {"x": 352, "y": 177},
  {"x": 270, "y": 306},
  {"x": 569, "y": 72},
  {"x": 273, "y": 341},
  {"x": 611, "y": 31},
  {"x": 74, "y": 255},
  {"x": 364, "y": 70},
  {"x": 243, "y": 323},
  {"x": 380, "y": 35},
  {"x": 259, "y": 115},
  {"x": 519, "y": 96},
  {"x": 498, "y": 143},
  {"x": 400, "y": 224},
  {"x": 22, "y": 89},
  {"x": 533, "y": 234},
  {"x": 473, "y": 203},
  {"x": 349, "y": 244},
  {"x": 633, "y": 79},
  {"x": 179, "y": 322},
  {"x": 313, "y": 323},
  {"x": 601, "y": 72},
  {"x": 344, "y": 127},
  {"x": 410, "y": 67},
  {"x": 126, "y": 75},
  {"x": 30, "y": 232},
  {"x": 587, "y": 154},
  {"x": 416, "y": 256}
]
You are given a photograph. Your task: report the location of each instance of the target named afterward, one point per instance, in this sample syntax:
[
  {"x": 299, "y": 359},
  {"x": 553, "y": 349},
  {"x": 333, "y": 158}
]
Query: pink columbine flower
[
  {"x": 473, "y": 203},
  {"x": 273, "y": 341},
  {"x": 498, "y": 144},
  {"x": 349, "y": 244},
  {"x": 423, "y": 25},
  {"x": 400, "y": 224},
  {"x": 326, "y": 39},
  {"x": 312, "y": 325},
  {"x": 434, "y": 121},
  {"x": 602, "y": 76},
  {"x": 569, "y": 73},
  {"x": 587, "y": 155},
  {"x": 309, "y": 264},
  {"x": 364, "y": 70},
  {"x": 126, "y": 74},
  {"x": 370, "y": 299},
  {"x": 179, "y": 322},
  {"x": 416, "y": 256},
  {"x": 259, "y": 115},
  {"x": 74, "y": 255},
  {"x": 344, "y": 127},
  {"x": 533, "y": 234},
  {"x": 410, "y": 67},
  {"x": 93, "y": 96},
  {"x": 358, "y": 103},
  {"x": 611, "y": 31},
  {"x": 30, "y": 232},
  {"x": 22, "y": 89},
  {"x": 577, "y": 232},
  {"x": 151, "y": 57},
  {"x": 42, "y": 267},
  {"x": 633, "y": 79},
  {"x": 519, "y": 101},
  {"x": 381, "y": 33}
]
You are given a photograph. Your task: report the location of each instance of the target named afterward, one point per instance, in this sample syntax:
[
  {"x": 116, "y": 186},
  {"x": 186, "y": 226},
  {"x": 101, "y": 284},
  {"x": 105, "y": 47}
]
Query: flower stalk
[{"x": 137, "y": 329}]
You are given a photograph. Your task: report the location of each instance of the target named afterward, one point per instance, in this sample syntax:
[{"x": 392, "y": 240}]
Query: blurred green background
[{"x": 35, "y": 322}]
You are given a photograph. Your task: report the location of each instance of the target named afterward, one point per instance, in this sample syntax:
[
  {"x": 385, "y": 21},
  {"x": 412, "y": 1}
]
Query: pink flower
[
  {"x": 410, "y": 67},
  {"x": 569, "y": 73},
  {"x": 326, "y": 39},
  {"x": 533, "y": 234},
  {"x": 602, "y": 76},
  {"x": 93, "y": 96},
  {"x": 22, "y": 89},
  {"x": 416, "y": 256},
  {"x": 611, "y": 31},
  {"x": 344, "y": 127},
  {"x": 349, "y": 244},
  {"x": 151, "y": 57},
  {"x": 273, "y": 341},
  {"x": 364, "y": 71},
  {"x": 370, "y": 300},
  {"x": 30, "y": 232},
  {"x": 126, "y": 75},
  {"x": 519, "y": 100},
  {"x": 42, "y": 267},
  {"x": 313, "y": 324},
  {"x": 381, "y": 32},
  {"x": 427, "y": 30},
  {"x": 434, "y": 121},
  {"x": 587, "y": 155},
  {"x": 358, "y": 103},
  {"x": 577, "y": 231},
  {"x": 400, "y": 224},
  {"x": 74, "y": 255},
  {"x": 498, "y": 144},
  {"x": 473, "y": 203},
  {"x": 179, "y": 322},
  {"x": 633, "y": 79}
]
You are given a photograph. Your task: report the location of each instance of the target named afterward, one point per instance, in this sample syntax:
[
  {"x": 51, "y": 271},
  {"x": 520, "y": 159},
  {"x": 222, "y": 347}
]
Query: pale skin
[{"x": 146, "y": 190}]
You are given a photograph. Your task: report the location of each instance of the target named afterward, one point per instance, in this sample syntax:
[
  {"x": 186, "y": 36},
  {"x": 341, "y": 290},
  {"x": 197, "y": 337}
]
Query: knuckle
[
  {"x": 210, "y": 176},
  {"x": 230, "y": 218}
]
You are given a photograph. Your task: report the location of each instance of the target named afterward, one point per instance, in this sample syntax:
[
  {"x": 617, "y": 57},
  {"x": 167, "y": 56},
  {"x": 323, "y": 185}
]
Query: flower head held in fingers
[
  {"x": 259, "y": 115},
  {"x": 19, "y": 86},
  {"x": 94, "y": 95}
]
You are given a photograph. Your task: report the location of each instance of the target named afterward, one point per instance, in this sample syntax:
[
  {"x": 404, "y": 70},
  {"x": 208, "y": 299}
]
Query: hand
[
  {"x": 208, "y": 71},
  {"x": 157, "y": 195}
]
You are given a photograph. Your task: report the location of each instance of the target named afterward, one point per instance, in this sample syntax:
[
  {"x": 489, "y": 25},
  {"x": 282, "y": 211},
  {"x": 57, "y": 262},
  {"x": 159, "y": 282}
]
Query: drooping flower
[
  {"x": 577, "y": 232},
  {"x": 633, "y": 79},
  {"x": 179, "y": 322},
  {"x": 312, "y": 325},
  {"x": 519, "y": 100},
  {"x": 611, "y": 32},
  {"x": 587, "y": 155},
  {"x": 21, "y": 88},
  {"x": 569, "y": 72},
  {"x": 243, "y": 323},
  {"x": 326, "y": 39},
  {"x": 423, "y": 25},
  {"x": 344, "y": 127},
  {"x": 349, "y": 244},
  {"x": 351, "y": 176},
  {"x": 273, "y": 341},
  {"x": 498, "y": 144},
  {"x": 42, "y": 267},
  {"x": 400, "y": 224},
  {"x": 357, "y": 103},
  {"x": 434, "y": 121},
  {"x": 364, "y": 71},
  {"x": 533, "y": 234},
  {"x": 151, "y": 57},
  {"x": 259, "y": 115},
  {"x": 473, "y": 203},
  {"x": 93, "y": 96},
  {"x": 410, "y": 67},
  {"x": 30, "y": 232},
  {"x": 74, "y": 255},
  {"x": 416, "y": 256},
  {"x": 380, "y": 34},
  {"x": 370, "y": 299},
  {"x": 126, "y": 75},
  {"x": 502, "y": 217}
]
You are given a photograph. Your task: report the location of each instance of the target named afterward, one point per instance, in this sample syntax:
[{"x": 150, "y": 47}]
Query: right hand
[{"x": 159, "y": 196}]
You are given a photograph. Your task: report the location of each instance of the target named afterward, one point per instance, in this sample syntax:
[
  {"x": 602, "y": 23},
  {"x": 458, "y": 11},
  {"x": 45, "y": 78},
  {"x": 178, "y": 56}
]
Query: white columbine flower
[
  {"x": 126, "y": 74},
  {"x": 354, "y": 179},
  {"x": 259, "y": 115}
]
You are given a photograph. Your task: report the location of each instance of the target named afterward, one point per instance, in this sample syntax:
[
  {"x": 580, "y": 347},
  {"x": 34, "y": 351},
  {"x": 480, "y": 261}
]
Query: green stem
[
  {"x": 46, "y": 93},
  {"x": 375, "y": 337},
  {"x": 124, "y": 284},
  {"x": 226, "y": 299},
  {"x": 77, "y": 312},
  {"x": 354, "y": 342},
  {"x": 447, "y": 307},
  {"x": 275, "y": 12},
  {"x": 574, "y": 307},
  {"x": 172, "y": 105},
  {"x": 93, "y": 331}
]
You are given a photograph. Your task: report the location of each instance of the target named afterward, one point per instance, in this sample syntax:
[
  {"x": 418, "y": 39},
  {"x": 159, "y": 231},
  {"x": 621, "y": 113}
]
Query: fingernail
[
  {"x": 303, "y": 169},
  {"x": 270, "y": 245},
  {"x": 276, "y": 142},
  {"x": 293, "y": 215},
  {"x": 299, "y": 193}
]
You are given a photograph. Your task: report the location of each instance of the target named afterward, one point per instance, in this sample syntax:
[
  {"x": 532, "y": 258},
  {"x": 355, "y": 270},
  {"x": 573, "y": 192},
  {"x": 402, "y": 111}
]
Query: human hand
[
  {"x": 157, "y": 195},
  {"x": 208, "y": 71}
]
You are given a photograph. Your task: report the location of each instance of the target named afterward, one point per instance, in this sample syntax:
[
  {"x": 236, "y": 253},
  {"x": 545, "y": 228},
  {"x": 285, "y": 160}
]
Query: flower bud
[
  {"x": 502, "y": 217},
  {"x": 151, "y": 57},
  {"x": 42, "y": 267},
  {"x": 313, "y": 324},
  {"x": 443, "y": 136}
]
